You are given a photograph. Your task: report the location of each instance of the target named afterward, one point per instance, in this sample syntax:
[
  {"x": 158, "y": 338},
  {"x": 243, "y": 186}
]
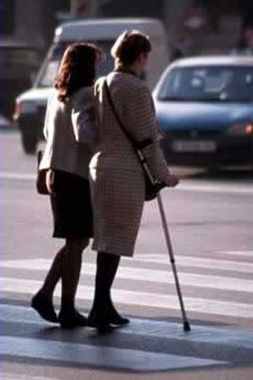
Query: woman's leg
[
  {"x": 71, "y": 268},
  {"x": 54, "y": 274},
  {"x": 103, "y": 312},
  {"x": 66, "y": 265},
  {"x": 42, "y": 302}
]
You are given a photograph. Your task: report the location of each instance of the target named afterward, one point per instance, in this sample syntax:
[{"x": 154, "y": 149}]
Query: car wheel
[{"x": 29, "y": 142}]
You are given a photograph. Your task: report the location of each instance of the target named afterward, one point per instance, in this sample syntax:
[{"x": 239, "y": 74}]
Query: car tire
[{"x": 29, "y": 142}]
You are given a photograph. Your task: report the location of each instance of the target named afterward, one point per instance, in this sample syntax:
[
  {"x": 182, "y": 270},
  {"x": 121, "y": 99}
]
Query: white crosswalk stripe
[
  {"x": 238, "y": 253},
  {"x": 229, "y": 273},
  {"x": 135, "y": 298},
  {"x": 137, "y": 273},
  {"x": 152, "y": 275},
  {"x": 199, "y": 262},
  {"x": 182, "y": 261}
]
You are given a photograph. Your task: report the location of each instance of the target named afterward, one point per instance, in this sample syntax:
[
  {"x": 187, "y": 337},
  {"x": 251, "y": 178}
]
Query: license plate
[{"x": 194, "y": 146}]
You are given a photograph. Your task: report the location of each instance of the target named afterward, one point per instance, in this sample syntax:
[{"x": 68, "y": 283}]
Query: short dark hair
[
  {"x": 129, "y": 46},
  {"x": 77, "y": 69}
]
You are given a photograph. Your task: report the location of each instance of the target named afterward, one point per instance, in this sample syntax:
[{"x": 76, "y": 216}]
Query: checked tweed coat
[{"x": 116, "y": 177}]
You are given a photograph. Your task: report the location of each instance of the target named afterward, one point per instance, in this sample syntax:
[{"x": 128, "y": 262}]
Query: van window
[{"x": 50, "y": 67}]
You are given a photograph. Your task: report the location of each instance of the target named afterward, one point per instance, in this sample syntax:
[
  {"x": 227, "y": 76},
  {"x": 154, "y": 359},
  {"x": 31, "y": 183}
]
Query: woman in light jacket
[
  {"x": 70, "y": 130},
  {"x": 116, "y": 177}
]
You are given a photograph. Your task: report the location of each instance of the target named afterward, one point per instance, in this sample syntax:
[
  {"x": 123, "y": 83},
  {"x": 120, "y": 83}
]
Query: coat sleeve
[
  {"x": 84, "y": 119},
  {"x": 140, "y": 120}
]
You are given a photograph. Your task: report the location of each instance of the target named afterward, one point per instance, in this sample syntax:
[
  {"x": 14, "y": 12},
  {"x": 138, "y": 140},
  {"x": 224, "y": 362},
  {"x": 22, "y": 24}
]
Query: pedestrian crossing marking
[
  {"x": 182, "y": 261},
  {"x": 99, "y": 356},
  {"x": 238, "y": 253},
  {"x": 150, "y": 275},
  {"x": 136, "y": 298},
  {"x": 10, "y": 376},
  {"x": 114, "y": 355},
  {"x": 210, "y": 187},
  {"x": 197, "y": 262},
  {"x": 239, "y": 338}
]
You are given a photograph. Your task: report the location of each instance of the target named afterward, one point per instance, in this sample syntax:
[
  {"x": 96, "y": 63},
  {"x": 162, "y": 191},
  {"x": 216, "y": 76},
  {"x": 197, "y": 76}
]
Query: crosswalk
[{"x": 218, "y": 286}]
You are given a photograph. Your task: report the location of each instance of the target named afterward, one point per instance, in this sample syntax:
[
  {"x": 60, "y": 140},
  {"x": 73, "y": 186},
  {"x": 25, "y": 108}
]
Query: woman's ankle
[
  {"x": 45, "y": 293},
  {"x": 67, "y": 309}
]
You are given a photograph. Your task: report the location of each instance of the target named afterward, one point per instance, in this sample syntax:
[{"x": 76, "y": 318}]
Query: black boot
[
  {"x": 71, "y": 318},
  {"x": 44, "y": 306},
  {"x": 103, "y": 314},
  {"x": 114, "y": 317}
]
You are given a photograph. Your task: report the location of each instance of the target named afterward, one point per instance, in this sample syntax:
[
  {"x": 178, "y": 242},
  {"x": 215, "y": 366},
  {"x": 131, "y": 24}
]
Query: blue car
[{"x": 204, "y": 109}]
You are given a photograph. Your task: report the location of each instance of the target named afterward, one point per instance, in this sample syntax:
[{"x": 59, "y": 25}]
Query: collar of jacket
[{"x": 122, "y": 69}]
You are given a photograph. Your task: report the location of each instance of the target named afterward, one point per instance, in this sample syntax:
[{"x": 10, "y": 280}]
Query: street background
[{"x": 210, "y": 219}]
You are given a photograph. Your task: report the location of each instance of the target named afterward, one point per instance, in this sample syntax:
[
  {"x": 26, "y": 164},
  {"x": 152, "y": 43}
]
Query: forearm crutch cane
[
  {"x": 186, "y": 323},
  {"x": 145, "y": 166}
]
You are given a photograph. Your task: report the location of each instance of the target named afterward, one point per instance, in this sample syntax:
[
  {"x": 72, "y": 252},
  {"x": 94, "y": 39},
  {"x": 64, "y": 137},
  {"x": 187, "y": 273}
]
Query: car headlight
[
  {"x": 243, "y": 129},
  {"x": 24, "y": 107}
]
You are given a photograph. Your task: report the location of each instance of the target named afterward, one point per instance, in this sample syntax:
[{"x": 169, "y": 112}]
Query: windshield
[
  {"x": 50, "y": 68},
  {"x": 219, "y": 83}
]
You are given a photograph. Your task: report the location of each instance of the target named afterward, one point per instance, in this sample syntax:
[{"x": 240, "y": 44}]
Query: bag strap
[{"x": 137, "y": 145}]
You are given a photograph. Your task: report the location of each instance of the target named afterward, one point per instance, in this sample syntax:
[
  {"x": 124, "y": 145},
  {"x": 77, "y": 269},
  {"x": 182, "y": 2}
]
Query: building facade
[{"x": 34, "y": 21}]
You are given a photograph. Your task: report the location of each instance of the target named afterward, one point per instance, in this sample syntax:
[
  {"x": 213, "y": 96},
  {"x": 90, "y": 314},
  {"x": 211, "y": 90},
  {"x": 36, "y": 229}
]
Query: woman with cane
[{"x": 116, "y": 177}]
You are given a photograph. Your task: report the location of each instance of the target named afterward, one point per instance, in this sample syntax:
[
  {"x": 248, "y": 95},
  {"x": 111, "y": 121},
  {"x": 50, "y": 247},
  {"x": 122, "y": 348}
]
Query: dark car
[
  {"x": 19, "y": 64},
  {"x": 205, "y": 109}
]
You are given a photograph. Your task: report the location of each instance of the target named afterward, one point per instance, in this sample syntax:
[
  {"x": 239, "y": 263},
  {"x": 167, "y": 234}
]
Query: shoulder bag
[{"x": 41, "y": 176}]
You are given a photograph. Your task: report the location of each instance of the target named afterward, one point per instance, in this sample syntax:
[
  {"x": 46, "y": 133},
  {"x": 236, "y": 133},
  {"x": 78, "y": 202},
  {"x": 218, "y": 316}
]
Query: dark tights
[
  {"x": 107, "y": 265},
  {"x": 66, "y": 266}
]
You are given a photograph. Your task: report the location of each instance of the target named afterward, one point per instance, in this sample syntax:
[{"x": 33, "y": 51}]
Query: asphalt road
[{"x": 210, "y": 218}]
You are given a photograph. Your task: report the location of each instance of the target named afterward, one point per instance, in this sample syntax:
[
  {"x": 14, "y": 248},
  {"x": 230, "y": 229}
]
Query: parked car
[
  {"x": 19, "y": 64},
  {"x": 4, "y": 123},
  {"x": 31, "y": 105},
  {"x": 205, "y": 110}
]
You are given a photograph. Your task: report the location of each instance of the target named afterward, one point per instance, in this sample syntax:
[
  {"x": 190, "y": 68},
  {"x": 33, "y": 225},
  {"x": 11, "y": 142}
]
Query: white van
[{"x": 30, "y": 106}]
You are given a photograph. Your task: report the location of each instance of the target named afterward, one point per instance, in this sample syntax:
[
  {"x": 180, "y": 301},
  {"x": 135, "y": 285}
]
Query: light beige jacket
[{"x": 70, "y": 130}]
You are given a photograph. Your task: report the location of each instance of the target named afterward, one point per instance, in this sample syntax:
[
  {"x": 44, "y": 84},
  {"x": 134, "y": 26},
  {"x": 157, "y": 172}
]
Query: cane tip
[{"x": 187, "y": 326}]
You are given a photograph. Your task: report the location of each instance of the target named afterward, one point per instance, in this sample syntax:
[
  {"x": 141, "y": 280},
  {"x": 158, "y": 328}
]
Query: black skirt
[{"x": 71, "y": 206}]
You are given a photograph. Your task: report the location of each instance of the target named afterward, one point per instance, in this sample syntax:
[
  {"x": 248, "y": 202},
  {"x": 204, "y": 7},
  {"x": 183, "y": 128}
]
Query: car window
[
  {"x": 51, "y": 65},
  {"x": 217, "y": 83}
]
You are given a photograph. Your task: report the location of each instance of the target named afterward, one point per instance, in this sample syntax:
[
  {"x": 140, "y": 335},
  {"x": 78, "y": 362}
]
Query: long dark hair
[{"x": 77, "y": 69}]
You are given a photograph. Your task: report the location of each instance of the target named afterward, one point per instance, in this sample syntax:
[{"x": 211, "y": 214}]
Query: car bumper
[
  {"x": 32, "y": 123},
  {"x": 229, "y": 150}
]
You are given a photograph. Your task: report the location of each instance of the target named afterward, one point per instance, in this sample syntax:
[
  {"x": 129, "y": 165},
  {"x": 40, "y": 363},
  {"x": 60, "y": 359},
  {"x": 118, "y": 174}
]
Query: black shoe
[
  {"x": 114, "y": 318},
  {"x": 44, "y": 306},
  {"x": 71, "y": 319},
  {"x": 102, "y": 326},
  {"x": 117, "y": 320},
  {"x": 107, "y": 316}
]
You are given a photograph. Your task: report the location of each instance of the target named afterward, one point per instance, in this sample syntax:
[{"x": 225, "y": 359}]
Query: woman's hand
[
  {"x": 172, "y": 180},
  {"x": 50, "y": 181}
]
